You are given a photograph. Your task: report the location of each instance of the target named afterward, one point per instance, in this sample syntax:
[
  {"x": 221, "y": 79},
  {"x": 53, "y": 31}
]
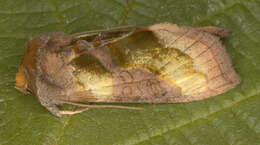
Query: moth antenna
[
  {"x": 102, "y": 106},
  {"x": 83, "y": 34}
]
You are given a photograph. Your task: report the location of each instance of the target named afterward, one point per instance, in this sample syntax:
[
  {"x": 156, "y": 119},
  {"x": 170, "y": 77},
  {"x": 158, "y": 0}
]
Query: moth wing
[
  {"x": 191, "y": 59},
  {"x": 209, "y": 58},
  {"x": 161, "y": 64}
]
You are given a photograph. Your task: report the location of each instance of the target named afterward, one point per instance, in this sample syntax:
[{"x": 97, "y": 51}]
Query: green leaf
[{"x": 230, "y": 118}]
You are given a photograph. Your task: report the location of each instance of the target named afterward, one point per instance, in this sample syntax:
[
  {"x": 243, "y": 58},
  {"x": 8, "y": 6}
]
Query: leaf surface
[{"x": 230, "y": 118}]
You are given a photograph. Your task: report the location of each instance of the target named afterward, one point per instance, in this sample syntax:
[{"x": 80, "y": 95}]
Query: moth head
[
  {"x": 22, "y": 82},
  {"x": 25, "y": 77}
]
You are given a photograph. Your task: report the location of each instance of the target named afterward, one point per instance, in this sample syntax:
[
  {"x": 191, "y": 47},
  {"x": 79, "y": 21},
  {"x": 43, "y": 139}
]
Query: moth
[{"x": 162, "y": 63}]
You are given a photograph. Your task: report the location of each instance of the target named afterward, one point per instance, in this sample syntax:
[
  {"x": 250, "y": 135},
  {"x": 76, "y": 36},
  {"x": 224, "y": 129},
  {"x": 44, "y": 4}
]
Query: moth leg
[
  {"x": 53, "y": 109},
  {"x": 57, "y": 112},
  {"x": 48, "y": 103},
  {"x": 69, "y": 112},
  {"x": 101, "y": 106}
]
